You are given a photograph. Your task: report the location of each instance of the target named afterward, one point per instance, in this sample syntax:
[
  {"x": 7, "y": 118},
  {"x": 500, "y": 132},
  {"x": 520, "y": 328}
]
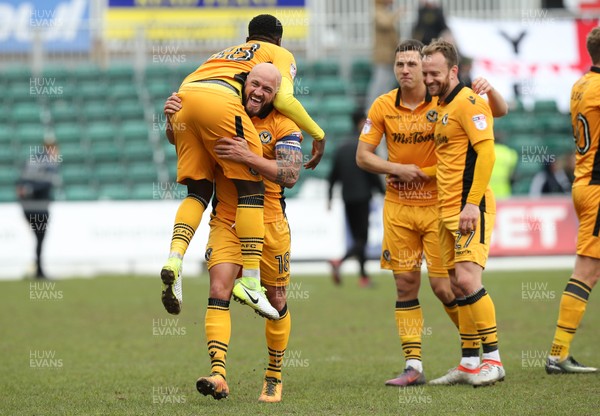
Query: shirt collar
[{"x": 453, "y": 93}]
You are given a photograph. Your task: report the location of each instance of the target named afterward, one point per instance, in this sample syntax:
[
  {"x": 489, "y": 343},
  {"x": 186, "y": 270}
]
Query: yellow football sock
[
  {"x": 470, "y": 340},
  {"x": 452, "y": 311},
  {"x": 187, "y": 221},
  {"x": 409, "y": 321},
  {"x": 250, "y": 229},
  {"x": 572, "y": 307},
  {"x": 484, "y": 314},
  {"x": 277, "y": 334},
  {"x": 217, "y": 324}
]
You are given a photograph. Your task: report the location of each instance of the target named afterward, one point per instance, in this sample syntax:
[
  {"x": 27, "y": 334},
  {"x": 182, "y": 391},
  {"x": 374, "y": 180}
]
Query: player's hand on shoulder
[
  {"x": 481, "y": 85},
  {"x": 172, "y": 105},
  {"x": 318, "y": 149}
]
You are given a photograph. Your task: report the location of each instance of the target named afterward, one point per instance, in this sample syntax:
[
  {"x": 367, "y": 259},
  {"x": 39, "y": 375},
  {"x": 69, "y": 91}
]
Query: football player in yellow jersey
[
  {"x": 406, "y": 116},
  {"x": 585, "y": 118},
  {"x": 464, "y": 146},
  {"x": 280, "y": 166},
  {"x": 212, "y": 109}
]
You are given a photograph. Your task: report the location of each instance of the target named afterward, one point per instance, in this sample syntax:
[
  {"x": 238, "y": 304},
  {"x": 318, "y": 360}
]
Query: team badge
[
  {"x": 293, "y": 70},
  {"x": 432, "y": 116},
  {"x": 207, "y": 254},
  {"x": 445, "y": 119},
  {"x": 386, "y": 255},
  {"x": 367, "y": 127},
  {"x": 480, "y": 121},
  {"x": 265, "y": 137},
  {"x": 253, "y": 172}
]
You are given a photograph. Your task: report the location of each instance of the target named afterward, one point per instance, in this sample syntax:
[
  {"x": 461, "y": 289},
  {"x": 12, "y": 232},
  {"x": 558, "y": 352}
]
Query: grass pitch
[{"x": 105, "y": 346}]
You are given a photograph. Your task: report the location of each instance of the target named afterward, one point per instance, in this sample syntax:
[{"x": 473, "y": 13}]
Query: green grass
[{"x": 108, "y": 355}]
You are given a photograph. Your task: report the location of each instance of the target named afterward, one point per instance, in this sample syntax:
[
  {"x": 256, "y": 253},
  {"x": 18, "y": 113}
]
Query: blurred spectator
[
  {"x": 34, "y": 191},
  {"x": 357, "y": 189},
  {"x": 465, "y": 66},
  {"x": 556, "y": 177},
  {"x": 504, "y": 169},
  {"x": 385, "y": 42},
  {"x": 431, "y": 23}
]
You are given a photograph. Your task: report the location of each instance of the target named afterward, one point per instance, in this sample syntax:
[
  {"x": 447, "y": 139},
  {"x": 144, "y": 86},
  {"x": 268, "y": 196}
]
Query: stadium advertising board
[
  {"x": 539, "y": 55},
  {"x": 62, "y": 25},
  {"x": 200, "y": 20}
]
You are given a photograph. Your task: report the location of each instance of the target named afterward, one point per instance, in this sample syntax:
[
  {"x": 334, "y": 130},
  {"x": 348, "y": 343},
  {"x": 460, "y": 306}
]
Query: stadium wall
[{"x": 90, "y": 238}]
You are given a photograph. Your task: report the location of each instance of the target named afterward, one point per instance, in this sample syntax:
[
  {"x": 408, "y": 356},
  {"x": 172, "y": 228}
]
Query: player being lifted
[
  {"x": 212, "y": 108},
  {"x": 585, "y": 118},
  {"x": 280, "y": 166}
]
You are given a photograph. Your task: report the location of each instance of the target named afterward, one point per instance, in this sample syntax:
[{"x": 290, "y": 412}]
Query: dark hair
[
  {"x": 410, "y": 45},
  {"x": 357, "y": 116},
  {"x": 593, "y": 45},
  {"x": 265, "y": 26}
]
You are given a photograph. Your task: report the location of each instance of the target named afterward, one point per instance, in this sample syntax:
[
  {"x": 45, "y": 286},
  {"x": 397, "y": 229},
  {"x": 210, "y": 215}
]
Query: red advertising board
[{"x": 530, "y": 227}]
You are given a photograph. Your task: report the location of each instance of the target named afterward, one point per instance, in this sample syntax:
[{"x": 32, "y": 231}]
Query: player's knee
[
  {"x": 407, "y": 284},
  {"x": 442, "y": 290},
  {"x": 203, "y": 189},
  {"x": 245, "y": 188},
  {"x": 277, "y": 296}
]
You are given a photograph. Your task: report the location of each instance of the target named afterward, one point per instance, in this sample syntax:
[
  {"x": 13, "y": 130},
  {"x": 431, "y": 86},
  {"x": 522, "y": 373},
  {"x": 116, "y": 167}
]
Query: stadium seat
[
  {"x": 559, "y": 143},
  {"x": 361, "y": 68},
  {"x": 134, "y": 130},
  {"x": 16, "y": 74},
  {"x": 545, "y": 106},
  {"x": 338, "y": 106},
  {"x": 95, "y": 111},
  {"x": 114, "y": 191},
  {"x": 129, "y": 110},
  {"x": 58, "y": 73},
  {"x": 19, "y": 92},
  {"x": 515, "y": 123},
  {"x": 105, "y": 152},
  {"x": 142, "y": 172},
  {"x": 324, "y": 68},
  {"x": 138, "y": 151},
  {"x": 101, "y": 132},
  {"x": 524, "y": 143},
  {"x": 8, "y": 176},
  {"x": 86, "y": 72},
  {"x": 160, "y": 90},
  {"x": 63, "y": 111},
  {"x": 554, "y": 123},
  {"x": 310, "y": 103},
  {"x": 122, "y": 91},
  {"x": 157, "y": 72},
  {"x": 172, "y": 168},
  {"x": 8, "y": 194},
  {"x": 73, "y": 154},
  {"x": 80, "y": 193},
  {"x": 93, "y": 91},
  {"x": 26, "y": 113},
  {"x": 119, "y": 73},
  {"x": 7, "y": 135},
  {"x": 76, "y": 174},
  {"x": 111, "y": 173},
  {"x": 68, "y": 133},
  {"x": 143, "y": 190},
  {"x": 327, "y": 87},
  {"x": 30, "y": 134},
  {"x": 6, "y": 155},
  {"x": 339, "y": 127}
]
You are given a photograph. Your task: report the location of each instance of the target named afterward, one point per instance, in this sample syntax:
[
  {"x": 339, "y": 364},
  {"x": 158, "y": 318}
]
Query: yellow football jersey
[
  {"x": 229, "y": 62},
  {"x": 271, "y": 129},
  {"x": 585, "y": 118},
  {"x": 410, "y": 140},
  {"x": 463, "y": 119}
]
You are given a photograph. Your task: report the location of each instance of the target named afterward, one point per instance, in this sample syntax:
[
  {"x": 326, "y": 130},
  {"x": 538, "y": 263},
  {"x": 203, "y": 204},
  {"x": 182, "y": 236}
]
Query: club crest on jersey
[
  {"x": 367, "y": 127},
  {"x": 386, "y": 255},
  {"x": 480, "y": 121},
  {"x": 207, "y": 254},
  {"x": 432, "y": 116},
  {"x": 253, "y": 172},
  {"x": 445, "y": 119},
  {"x": 293, "y": 70},
  {"x": 265, "y": 137}
]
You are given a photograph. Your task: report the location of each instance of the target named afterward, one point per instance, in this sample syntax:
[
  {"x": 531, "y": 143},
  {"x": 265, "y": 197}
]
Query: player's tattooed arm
[{"x": 289, "y": 163}]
